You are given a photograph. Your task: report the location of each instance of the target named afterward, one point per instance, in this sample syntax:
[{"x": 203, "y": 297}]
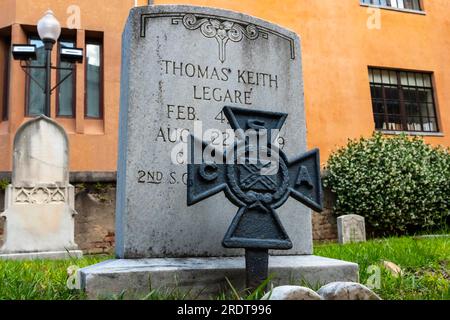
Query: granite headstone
[{"x": 182, "y": 65}]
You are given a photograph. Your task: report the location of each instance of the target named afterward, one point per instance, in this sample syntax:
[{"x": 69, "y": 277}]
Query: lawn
[{"x": 425, "y": 263}]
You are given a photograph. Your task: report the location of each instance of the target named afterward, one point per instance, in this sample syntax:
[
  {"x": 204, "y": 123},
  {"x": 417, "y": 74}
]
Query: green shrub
[
  {"x": 3, "y": 184},
  {"x": 399, "y": 184}
]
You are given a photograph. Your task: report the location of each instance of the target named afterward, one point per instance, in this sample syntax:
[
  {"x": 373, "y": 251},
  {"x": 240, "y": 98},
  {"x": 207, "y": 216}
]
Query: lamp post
[{"x": 49, "y": 31}]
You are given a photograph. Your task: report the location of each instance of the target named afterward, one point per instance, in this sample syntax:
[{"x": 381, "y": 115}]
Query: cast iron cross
[{"x": 256, "y": 191}]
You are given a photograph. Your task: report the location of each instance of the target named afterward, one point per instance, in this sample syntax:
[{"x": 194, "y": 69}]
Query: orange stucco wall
[{"x": 337, "y": 48}]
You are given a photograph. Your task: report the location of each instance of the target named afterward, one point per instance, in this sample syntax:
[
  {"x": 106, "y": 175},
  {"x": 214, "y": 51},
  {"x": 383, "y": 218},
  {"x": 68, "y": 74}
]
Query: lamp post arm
[
  {"x": 25, "y": 69},
  {"x": 63, "y": 79}
]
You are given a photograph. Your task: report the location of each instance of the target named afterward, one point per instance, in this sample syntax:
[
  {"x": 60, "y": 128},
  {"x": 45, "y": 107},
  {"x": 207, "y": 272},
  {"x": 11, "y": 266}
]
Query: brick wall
[
  {"x": 94, "y": 225},
  {"x": 324, "y": 224}
]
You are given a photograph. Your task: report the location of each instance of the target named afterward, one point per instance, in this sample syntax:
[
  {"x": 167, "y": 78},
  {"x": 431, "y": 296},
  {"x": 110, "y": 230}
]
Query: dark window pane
[
  {"x": 379, "y": 121},
  {"x": 431, "y": 111},
  {"x": 36, "y": 96},
  {"x": 376, "y": 91},
  {"x": 424, "y": 110},
  {"x": 378, "y": 106},
  {"x": 93, "y": 79},
  {"x": 393, "y": 107},
  {"x": 412, "y": 109},
  {"x": 66, "y": 89},
  {"x": 392, "y": 93},
  {"x": 410, "y": 94},
  {"x": 5, "y": 79},
  {"x": 425, "y": 95}
]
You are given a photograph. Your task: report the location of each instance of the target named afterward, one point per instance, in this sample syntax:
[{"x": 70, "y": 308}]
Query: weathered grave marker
[
  {"x": 351, "y": 228},
  {"x": 180, "y": 66},
  {"x": 39, "y": 202}
]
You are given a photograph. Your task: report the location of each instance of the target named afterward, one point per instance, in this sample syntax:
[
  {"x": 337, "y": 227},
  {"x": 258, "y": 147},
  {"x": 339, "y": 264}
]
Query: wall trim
[{"x": 79, "y": 176}]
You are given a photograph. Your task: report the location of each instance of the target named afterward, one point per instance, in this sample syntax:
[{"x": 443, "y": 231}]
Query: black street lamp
[{"x": 49, "y": 30}]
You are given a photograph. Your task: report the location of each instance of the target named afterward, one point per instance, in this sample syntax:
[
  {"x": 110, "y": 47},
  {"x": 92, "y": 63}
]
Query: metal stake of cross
[{"x": 256, "y": 226}]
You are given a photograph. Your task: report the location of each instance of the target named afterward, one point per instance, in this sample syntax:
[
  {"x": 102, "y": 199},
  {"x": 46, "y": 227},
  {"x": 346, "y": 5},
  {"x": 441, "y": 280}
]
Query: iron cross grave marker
[{"x": 257, "y": 177}]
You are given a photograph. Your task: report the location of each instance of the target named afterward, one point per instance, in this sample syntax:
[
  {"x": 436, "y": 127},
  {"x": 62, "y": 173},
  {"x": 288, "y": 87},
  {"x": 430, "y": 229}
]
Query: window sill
[
  {"x": 419, "y": 12},
  {"x": 413, "y": 133},
  {"x": 94, "y": 126},
  {"x": 69, "y": 124}
]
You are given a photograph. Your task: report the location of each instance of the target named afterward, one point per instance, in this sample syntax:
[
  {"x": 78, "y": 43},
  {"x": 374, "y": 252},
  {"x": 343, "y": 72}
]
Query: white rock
[
  {"x": 291, "y": 293},
  {"x": 394, "y": 269},
  {"x": 347, "y": 291}
]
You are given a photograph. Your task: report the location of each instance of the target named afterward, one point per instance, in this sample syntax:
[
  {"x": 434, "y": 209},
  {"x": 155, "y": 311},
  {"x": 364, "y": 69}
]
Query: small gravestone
[
  {"x": 351, "y": 228},
  {"x": 39, "y": 203},
  {"x": 181, "y": 65}
]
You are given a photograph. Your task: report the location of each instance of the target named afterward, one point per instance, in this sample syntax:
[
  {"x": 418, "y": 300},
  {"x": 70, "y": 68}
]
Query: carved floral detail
[
  {"x": 39, "y": 195},
  {"x": 222, "y": 31}
]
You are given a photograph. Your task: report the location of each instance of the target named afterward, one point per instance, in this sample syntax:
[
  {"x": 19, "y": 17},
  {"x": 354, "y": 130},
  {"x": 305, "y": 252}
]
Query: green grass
[
  {"x": 425, "y": 262},
  {"x": 40, "y": 279}
]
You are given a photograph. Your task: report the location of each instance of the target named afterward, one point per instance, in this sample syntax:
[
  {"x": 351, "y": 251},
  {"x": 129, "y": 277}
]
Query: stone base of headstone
[
  {"x": 204, "y": 277},
  {"x": 48, "y": 255}
]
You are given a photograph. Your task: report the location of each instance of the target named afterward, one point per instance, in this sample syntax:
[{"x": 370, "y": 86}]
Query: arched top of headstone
[
  {"x": 41, "y": 154},
  {"x": 351, "y": 217}
]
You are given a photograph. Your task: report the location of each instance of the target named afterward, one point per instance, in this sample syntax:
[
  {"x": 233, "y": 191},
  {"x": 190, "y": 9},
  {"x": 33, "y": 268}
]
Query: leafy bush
[
  {"x": 3, "y": 184},
  {"x": 399, "y": 184}
]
